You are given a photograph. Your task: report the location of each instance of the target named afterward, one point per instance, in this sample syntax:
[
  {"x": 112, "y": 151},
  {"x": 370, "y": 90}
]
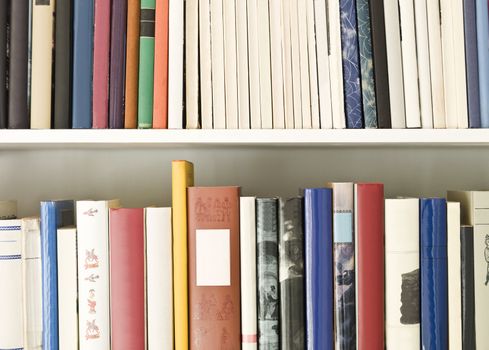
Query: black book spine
[
  {"x": 3, "y": 62},
  {"x": 18, "y": 65},
  {"x": 267, "y": 273},
  {"x": 292, "y": 297},
  {"x": 62, "y": 65},
  {"x": 380, "y": 64},
  {"x": 468, "y": 297}
]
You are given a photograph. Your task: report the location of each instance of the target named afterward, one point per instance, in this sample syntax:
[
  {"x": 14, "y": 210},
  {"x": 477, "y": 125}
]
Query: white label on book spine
[{"x": 213, "y": 257}]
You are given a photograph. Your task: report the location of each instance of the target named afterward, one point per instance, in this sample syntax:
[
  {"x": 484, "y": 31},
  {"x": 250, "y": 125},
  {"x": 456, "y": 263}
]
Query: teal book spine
[{"x": 146, "y": 64}]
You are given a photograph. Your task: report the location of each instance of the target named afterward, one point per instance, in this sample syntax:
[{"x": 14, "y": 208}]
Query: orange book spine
[
  {"x": 160, "y": 104},
  {"x": 132, "y": 64}
]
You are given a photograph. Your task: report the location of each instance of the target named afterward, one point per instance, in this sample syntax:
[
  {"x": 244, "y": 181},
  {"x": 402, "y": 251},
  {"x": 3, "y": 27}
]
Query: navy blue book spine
[
  {"x": 434, "y": 273},
  {"x": 82, "y": 63},
  {"x": 472, "y": 64},
  {"x": 319, "y": 268}
]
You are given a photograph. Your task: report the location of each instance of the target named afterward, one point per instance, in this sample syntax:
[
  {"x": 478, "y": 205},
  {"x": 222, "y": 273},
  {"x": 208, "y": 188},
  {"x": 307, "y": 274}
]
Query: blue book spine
[
  {"x": 472, "y": 65},
  {"x": 483, "y": 56},
  {"x": 434, "y": 274},
  {"x": 319, "y": 268},
  {"x": 351, "y": 64},
  {"x": 53, "y": 215},
  {"x": 83, "y": 11}
]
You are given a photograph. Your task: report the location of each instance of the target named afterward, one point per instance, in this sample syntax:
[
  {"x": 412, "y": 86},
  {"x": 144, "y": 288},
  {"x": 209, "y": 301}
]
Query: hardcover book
[
  {"x": 214, "y": 286},
  {"x": 176, "y": 17},
  {"x": 460, "y": 64},
  {"x": 218, "y": 82},
  {"x": 4, "y": 11},
  {"x": 160, "y": 99},
  {"x": 253, "y": 64},
  {"x": 267, "y": 269},
  {"x": 132, "y": 62},
  {"x": 263, "y": 18},
  {"x": 296, "y": 64},
  {"x": 277, "y": 67},
  {"x": 313, "y": 63},
  {"x": 291, "y": 273},
  {"x": 205, "y": 62},
  {"x": 483, "y": 60},
  {"x": 230, "y": 63},
  {"x": 336, "y": 65},
  {"x": 304, "y": 66},
  {"x": 242, "y": 65},
  {"x": 192, "y": 61},
  {"x": 467, "y": 269},
  {"x": 471, "y": 63}
]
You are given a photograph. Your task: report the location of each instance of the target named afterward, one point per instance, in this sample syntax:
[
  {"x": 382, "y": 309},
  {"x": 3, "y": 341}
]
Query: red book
[
  {"x": 127, "y": 314},
  {"x": 160, "y": 100},
  {"x": 101, "y": 45},
  {"x": 369, "y": 240}
]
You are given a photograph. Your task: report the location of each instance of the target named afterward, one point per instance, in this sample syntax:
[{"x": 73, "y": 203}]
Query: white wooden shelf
[{"x": 168, "y": 138}]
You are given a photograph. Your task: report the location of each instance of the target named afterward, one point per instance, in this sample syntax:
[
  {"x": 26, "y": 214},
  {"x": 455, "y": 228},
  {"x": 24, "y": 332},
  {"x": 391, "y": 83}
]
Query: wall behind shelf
[{"x": 142, "y": 177}]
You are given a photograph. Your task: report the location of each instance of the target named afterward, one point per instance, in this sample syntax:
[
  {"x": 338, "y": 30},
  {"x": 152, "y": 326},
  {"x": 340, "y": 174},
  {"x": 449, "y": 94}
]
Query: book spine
[
  {"x": 267, "y": 273},
  {"x": 117, "y": 63},
  {"x": 242, "y": 65},
  {"x": 159, "y": 285},
  {"x": 206, "y": 62},
  {"x": 313, "y": 63},
  {"x": 101, "y": 57},
  {"x": 160, "y": 100},
  {"x": 67, "y": 289},
  {"x": 218, "y": 84},
  {"x": 182, "y": 177},
  {"x": 304, "y": 84},
  {"x": 296, "y": 64},
  {"x": 460, "y": 65},
  {"x": 127, "y": 295},
  {"x": 146, "y": 64},
  {"x": 344, "y": 266},
  {"x": 351, "y": 64},
  {"x": 369, "y": 260},
  {"x": 83, "y": 21},
  {"x": 468, "y": 304},
  {"x": 434, "y": 273},
  {"x": 248, "y": 273},
  {"x": 483, "y": 60},
  {"x": 63, "y": 64},
  {"x": 472, "y": 66},
  {"x": 230, "y": 64},
  {"x": 336, "y": 65},
  {"x": 175, "y": 64},
  {"x": 254, "y": 64},
  {"x": 132, "y": 63},
  {"x": 367, "y": 64},
  {"x": 263, "y": 17},
  {"x": 454, "y": 276},
  {"x": 402, "y": 273},
  {"x": 11, "y": 317},
  {"x": 4, "y": 10},
  {"x": 192, "y": 60},
  {"x": 319, "y": 268},
  {"x": 277, "y": 64},
  {"x": 449, "y": 64},
  {"x": 292, "y": 294}
]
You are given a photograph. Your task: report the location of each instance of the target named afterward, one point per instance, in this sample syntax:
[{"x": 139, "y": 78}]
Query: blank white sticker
[{"x": 213, "y": 257}]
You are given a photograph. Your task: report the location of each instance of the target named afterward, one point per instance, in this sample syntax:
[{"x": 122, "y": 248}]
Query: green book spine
[{"x": 146, "y": 64}]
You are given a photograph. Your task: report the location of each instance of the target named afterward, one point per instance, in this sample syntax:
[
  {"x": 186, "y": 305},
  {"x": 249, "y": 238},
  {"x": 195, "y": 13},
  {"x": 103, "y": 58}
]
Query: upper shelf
[{"x": 86, "y": 138}]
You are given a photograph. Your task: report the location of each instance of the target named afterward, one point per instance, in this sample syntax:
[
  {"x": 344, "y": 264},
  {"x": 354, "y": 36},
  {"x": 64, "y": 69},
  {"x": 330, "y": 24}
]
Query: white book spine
[
  {"x": 423, "y": 51},
  {"x": 11, "y": 300},
  {"x": 42, "y": 59},
  {"x": 287, "y": 66},
  {"x": 264, "y": 56},
  {"x": 402, "y": 274},
  {"x": 192, "y": 63},
  {"x": 159, "y": 277},
  {"x": 410, "y": 64},
  {"x": 323, "y": 65},
  {"x": 254, "y": 64},
  {"x": 31, "y": 271},
  {"x": 248, "y": 273},
  {"x": 175, "y": 63},
  {"x": 304, "y": 64},
  {"x": 242, "y": 56},
  {"x": 394, "y": 64},
  {"x": 93, "y": 273},
  {"x": 454, "y": 276},
  {"x": 67, "y": 289},
  {"x": 336, "y": 65},
  {"x": 296, "y": 64},
  {"x": 450, "y": 86},
  {"x": 277, "y": 64},
  {"x": 205, "y": 64},
  {"x": 313, "y": 72},
  {"x": 460, "y": 75},
  {"x": 217, "y": 47},
  {"x": 230, "y": 64}
]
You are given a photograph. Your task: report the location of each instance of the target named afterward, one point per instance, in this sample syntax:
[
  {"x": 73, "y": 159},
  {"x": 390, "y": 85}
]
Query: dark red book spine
[
  {"x": 127, "y": 314},
  {"x": 369, "y": 225}
]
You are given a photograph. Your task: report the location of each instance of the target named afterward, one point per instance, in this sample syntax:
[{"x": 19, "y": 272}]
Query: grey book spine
[
  {"x": 267, "y": 273},
  {"x": 468, "y": 305},
  {"x": 292, "y": 298}
]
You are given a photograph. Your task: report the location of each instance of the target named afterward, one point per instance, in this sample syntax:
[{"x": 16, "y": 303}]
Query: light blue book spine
[{"x": 483, "y": 55}]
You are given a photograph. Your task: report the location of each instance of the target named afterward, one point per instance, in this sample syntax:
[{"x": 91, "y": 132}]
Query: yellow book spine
[{"x": 182, "y": 177}]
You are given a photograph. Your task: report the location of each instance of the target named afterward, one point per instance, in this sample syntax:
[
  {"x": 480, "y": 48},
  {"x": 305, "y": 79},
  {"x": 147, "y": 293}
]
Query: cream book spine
[
  {"x": 277, "y": 64},
  {"x": 313, "y": 63},
  {"x": 217, "y": 47},
  {"x": 31, "y": 276},
  {"x": 42, "y": 63},
  {"x": 230, "y": 63},
  {"x": 264, "y": 57},
  {"x": 248, "y": 273},
  {"x": 296, "y": 64},
  {"x": 454, "y": 276},
  {"x": 67, "y": 289},
  {"x": 191, "y": 63},
  {"x": 460, "y": 73},
  {"x": 205, "y": 64},
  {"x": 176, "y": 15},
  {"x": 92, "y": 219},
  {"x": 159, "y": 278},
  {"x": 402, "y": 300},
  {"x": 450, "y": 86},
  {"x": 287, "y": 66},
  {"x": 254, "y": 64},
  {"x": 304, "y": 64},
  {"x": 242, "y": 57}
]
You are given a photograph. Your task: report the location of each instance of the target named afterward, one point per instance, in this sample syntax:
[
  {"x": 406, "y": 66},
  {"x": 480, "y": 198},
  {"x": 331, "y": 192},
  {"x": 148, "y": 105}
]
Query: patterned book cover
[
  {"x": 351, "y": 64},
  {"x": 366, "y": 64},
  {"x": 267, "y": 273},
  {"x": 292, "y": 294}
]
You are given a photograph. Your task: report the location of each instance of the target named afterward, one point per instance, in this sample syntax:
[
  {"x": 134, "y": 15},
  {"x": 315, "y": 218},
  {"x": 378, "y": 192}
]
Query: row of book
[
  {"x": 336, "y": 267},
  {"x": 244, "y": 64}
]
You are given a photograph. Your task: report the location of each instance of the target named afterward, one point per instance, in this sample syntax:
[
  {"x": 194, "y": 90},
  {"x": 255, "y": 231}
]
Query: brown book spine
[
  {"x": 132, "y": 64},
  {"x": 213, "y": 246}
]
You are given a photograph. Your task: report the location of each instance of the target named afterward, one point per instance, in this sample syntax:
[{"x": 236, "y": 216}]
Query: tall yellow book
[{"x": 182, "y": 177}]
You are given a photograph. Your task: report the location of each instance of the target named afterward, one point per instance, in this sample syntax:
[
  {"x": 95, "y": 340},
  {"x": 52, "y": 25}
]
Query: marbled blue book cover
[
  {"x": 366, "y": 64},
  {"x": 351, "y": 64}
]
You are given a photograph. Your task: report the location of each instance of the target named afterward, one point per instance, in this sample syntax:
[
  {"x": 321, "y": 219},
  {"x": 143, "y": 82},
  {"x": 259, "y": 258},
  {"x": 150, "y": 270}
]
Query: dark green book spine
[{"x": 146, "y": 64}]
